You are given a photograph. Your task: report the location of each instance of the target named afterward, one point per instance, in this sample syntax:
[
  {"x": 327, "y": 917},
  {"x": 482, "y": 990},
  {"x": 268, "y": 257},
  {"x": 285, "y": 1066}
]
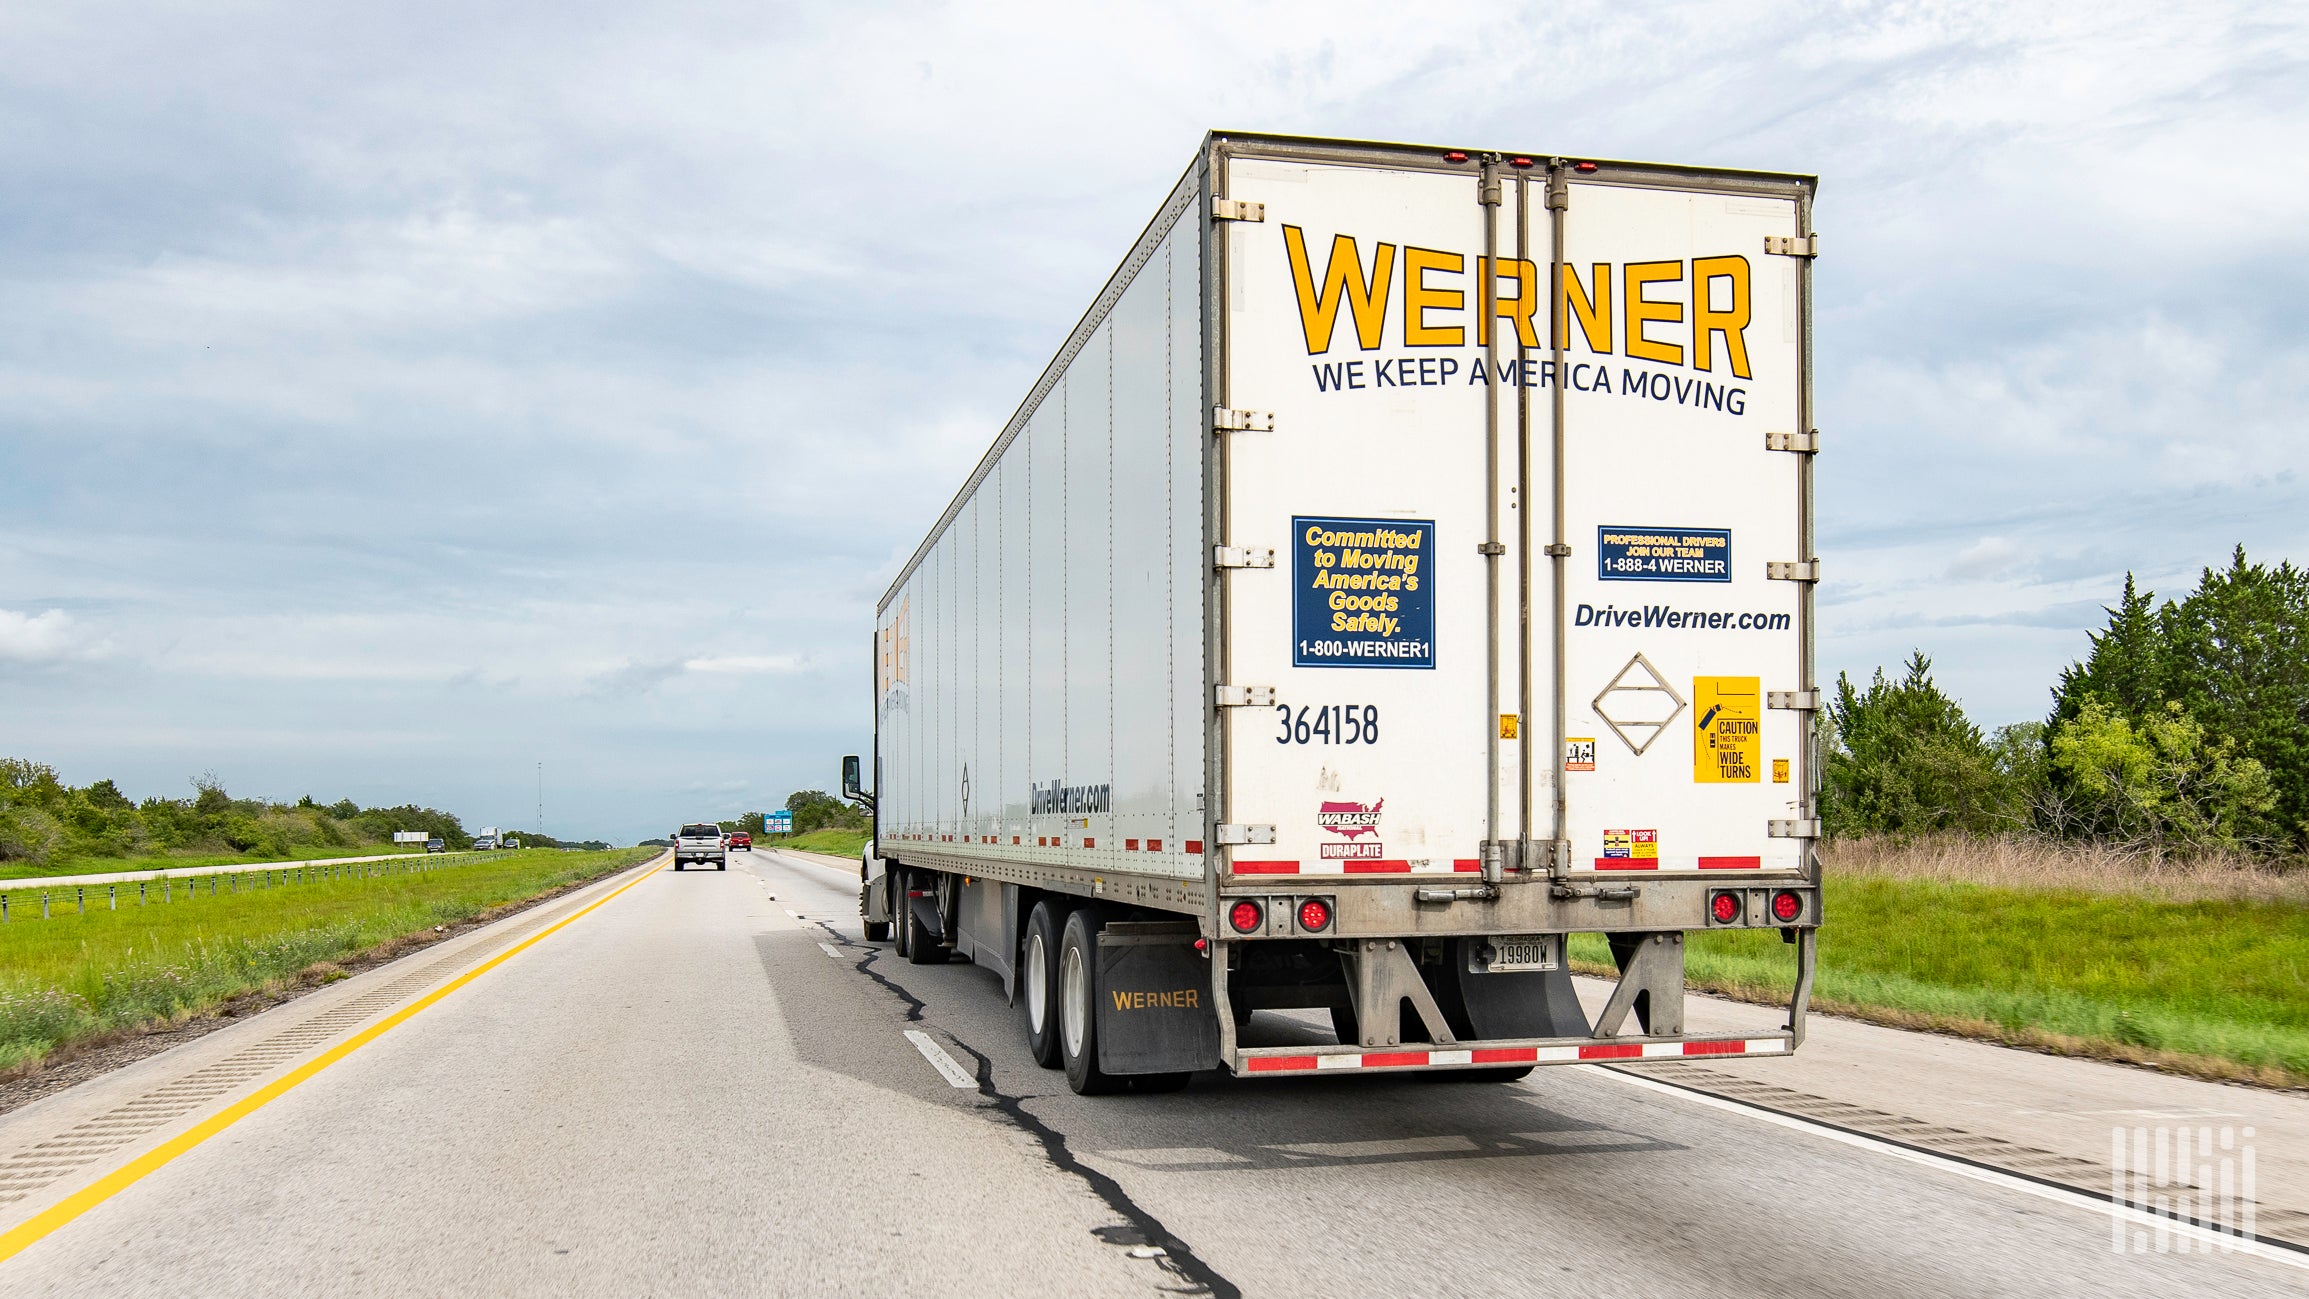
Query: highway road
[{"x": 705, "y": 1083}]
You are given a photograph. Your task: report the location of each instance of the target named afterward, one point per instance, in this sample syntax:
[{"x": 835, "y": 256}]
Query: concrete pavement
[{"x": 681, "y": 1092}]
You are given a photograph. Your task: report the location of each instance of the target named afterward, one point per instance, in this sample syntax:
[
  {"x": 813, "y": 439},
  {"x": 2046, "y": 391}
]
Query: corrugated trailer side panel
[{"x": 1051, "y": 709}]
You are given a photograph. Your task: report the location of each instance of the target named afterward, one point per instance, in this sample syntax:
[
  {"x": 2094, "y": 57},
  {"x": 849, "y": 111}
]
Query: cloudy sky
[{"x": 396, "y": 397}]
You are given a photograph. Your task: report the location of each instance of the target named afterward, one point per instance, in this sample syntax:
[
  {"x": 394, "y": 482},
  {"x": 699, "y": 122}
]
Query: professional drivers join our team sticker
[{"x": 1363, "y": 593}]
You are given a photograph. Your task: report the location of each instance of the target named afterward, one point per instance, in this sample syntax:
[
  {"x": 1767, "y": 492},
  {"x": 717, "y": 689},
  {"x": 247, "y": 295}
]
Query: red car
[{"x": 740, "y": 839}]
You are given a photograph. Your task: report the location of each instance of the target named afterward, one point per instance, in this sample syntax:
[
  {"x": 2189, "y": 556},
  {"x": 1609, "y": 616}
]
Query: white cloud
[
  {"x": 744, "y": 664},
  {"x": 47, "y": 638},
  {"x": 432, "y": 366}
]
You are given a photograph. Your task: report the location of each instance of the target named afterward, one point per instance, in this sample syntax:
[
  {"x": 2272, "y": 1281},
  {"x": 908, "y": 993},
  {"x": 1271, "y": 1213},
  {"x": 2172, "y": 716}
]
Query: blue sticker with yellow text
[{"x": 1363, "y": 593}]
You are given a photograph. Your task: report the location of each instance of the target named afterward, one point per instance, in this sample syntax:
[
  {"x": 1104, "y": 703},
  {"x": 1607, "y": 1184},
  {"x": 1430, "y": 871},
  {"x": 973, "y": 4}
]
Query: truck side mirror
[{"x": 851, "y": 786}]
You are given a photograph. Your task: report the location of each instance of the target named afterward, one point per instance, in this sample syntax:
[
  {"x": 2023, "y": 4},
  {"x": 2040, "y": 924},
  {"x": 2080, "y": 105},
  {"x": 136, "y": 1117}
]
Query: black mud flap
[
  {"x": 1525, "y": 1003},
  {"x": 1154, "y": 1000},
  {"x": 925, "y": 909}
]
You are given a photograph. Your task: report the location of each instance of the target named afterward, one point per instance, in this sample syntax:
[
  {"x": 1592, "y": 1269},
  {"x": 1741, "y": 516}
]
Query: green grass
[
  {"x": 833, "y": 843},
  {"x": 178, "y": 861},
  {"x": 74, "y": 977},
  {"x": 2214, "y": 987}
]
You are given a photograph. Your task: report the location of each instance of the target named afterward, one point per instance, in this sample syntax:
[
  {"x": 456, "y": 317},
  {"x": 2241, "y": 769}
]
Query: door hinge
[
  {"x": 1246, "y": 696},
  {"x": 1792, "y": 245},
  {"x": 1226, "y": 420},
  {"x": 1237, "y": 209},
  {"x": 1782, "y": 570},
  {"x": 1242, "y": 557},
  {"x": 1491, "y": 548},
  {"x": 1234, "y": 834},
  {"x": 1558, "y": 550},
  {"x": 1793, "y": 829},
  {"x": 1800, "y": 442},
  {"x": 1800, "y": 700}
]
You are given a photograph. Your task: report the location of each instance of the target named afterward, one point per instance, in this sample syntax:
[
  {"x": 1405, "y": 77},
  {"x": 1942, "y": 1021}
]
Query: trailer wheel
[
  {"x": 1505, "y": 1074},
  {"x": 922, "y": 946},
  {"x": 1078, "y": 1008},
  {"x": 1038, "y": 980}
]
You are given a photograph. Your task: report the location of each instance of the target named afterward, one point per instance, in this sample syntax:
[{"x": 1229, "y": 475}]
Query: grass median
[
  {"x": 832, "y": 843},
  {"x": 78, "y": 978},
  {"x": 2198, "y": 969}
]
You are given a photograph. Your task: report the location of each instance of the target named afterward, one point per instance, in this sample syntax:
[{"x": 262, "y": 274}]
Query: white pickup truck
[{"x": 701, "y": 843}]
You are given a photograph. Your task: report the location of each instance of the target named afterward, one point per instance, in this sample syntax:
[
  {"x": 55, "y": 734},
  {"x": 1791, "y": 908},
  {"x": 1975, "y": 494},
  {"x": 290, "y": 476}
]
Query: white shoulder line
[{"x": 2008, "y": 1181}]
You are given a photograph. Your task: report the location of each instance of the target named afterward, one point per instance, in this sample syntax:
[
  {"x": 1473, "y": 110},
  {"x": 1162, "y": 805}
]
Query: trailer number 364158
[{"x": 1328, "y": 724}]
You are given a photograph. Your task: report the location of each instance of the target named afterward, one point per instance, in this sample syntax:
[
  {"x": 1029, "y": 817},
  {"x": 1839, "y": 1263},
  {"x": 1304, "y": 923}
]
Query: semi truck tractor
[{"x": 1398, "y": 586}]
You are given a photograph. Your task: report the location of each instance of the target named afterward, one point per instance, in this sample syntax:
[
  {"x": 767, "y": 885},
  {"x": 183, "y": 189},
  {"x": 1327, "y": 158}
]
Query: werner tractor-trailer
[{"x": 1405, "y": 566}]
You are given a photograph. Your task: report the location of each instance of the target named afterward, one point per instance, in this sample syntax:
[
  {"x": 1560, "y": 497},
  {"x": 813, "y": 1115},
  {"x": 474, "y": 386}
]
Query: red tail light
[
  {"x": 1455, "y": 156},
  {"x": 1787, "y": 906},
  {"x": 1725, "y": 907},
  {"x": 1583, "y": 168},
  {"x": 1314, "y": 915},
  {"x": 1246, "y": 916}
]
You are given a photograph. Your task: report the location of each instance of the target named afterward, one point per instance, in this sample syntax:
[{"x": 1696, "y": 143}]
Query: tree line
[
  {"x": 2184, "y": 728},
  {"x": 42, "y": 820}
]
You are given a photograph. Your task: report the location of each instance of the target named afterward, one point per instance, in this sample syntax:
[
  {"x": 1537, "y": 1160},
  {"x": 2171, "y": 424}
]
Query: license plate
[{"x": 1510, "y": 955}]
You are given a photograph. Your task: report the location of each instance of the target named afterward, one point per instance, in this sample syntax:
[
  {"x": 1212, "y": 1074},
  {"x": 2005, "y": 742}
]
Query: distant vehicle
[
  {"x": 741, "y": 839},
  {"x": 701, "y": 843},
  {"x": 512, "y": 843},
  {"x": 435, "y": 845},
  {"x": 488, "y": 838},
  {"x": 1381, "y": 742}
]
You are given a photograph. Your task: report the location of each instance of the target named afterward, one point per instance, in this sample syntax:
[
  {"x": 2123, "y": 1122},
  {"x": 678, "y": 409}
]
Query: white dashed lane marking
[{"x": 941, "y": 1061}]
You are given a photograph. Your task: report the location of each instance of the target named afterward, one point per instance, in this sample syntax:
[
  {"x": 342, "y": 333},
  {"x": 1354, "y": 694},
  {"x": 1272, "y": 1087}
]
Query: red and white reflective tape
[
  {"x": 1463, "y": 866},
  {"x": 1512, "y": 1055}
]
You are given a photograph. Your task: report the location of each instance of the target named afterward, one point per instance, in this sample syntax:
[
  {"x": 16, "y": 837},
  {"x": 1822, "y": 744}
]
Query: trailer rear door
[{"x": 1399, "y": 330}]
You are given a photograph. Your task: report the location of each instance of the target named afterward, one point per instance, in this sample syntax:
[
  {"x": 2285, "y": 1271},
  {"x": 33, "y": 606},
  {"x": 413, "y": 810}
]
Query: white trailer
[{"x": 1333, "y": 627}]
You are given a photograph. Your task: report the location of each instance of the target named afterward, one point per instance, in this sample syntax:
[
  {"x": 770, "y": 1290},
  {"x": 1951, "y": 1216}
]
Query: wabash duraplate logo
[{"x": 1351, "y": 821}]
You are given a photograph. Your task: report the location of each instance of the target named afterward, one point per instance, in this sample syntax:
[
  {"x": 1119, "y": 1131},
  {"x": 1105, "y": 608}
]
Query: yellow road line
[{"x": 31, "y": 1230}]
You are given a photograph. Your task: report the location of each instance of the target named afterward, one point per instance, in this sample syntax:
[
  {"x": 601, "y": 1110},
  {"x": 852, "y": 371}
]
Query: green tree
[
  {"x": 815, "y": 809},
  {"x": 1901, "y": 758},
  {"x": 2164, "y": 781},
  {"x": 2231, "y": 653}
]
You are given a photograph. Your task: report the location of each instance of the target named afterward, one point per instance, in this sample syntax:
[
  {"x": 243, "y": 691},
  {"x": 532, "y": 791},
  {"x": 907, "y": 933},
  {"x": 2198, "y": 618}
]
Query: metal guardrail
[{"x": 257, "y": 878}]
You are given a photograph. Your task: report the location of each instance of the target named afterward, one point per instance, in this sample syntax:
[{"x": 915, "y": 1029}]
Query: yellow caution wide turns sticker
[{"x": 1728, "y": 735}]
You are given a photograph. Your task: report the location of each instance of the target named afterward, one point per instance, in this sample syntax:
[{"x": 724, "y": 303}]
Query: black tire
[
  {"x": 1517, "y": 1074},
  {"x": 922, "y": 946},
  {"x": 877, "y": 931},
  {"x": 1241, "y": 1010},
  {"x": 1038, "y": 982},
  {"x": 1078, "y": 1007},
  {"x": 722, "y": 865},
  {"x": 677, "y": 863}
]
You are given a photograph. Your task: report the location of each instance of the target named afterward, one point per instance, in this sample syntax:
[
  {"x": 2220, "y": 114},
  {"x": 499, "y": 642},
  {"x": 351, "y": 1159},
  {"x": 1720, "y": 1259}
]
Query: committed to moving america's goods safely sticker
[
  {"x": 1647, "y": 554},
  {"x": 1363, "y": 593},
  {"x": 1728, "y": 734},
  {"x": 1579, "y": 753}
]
